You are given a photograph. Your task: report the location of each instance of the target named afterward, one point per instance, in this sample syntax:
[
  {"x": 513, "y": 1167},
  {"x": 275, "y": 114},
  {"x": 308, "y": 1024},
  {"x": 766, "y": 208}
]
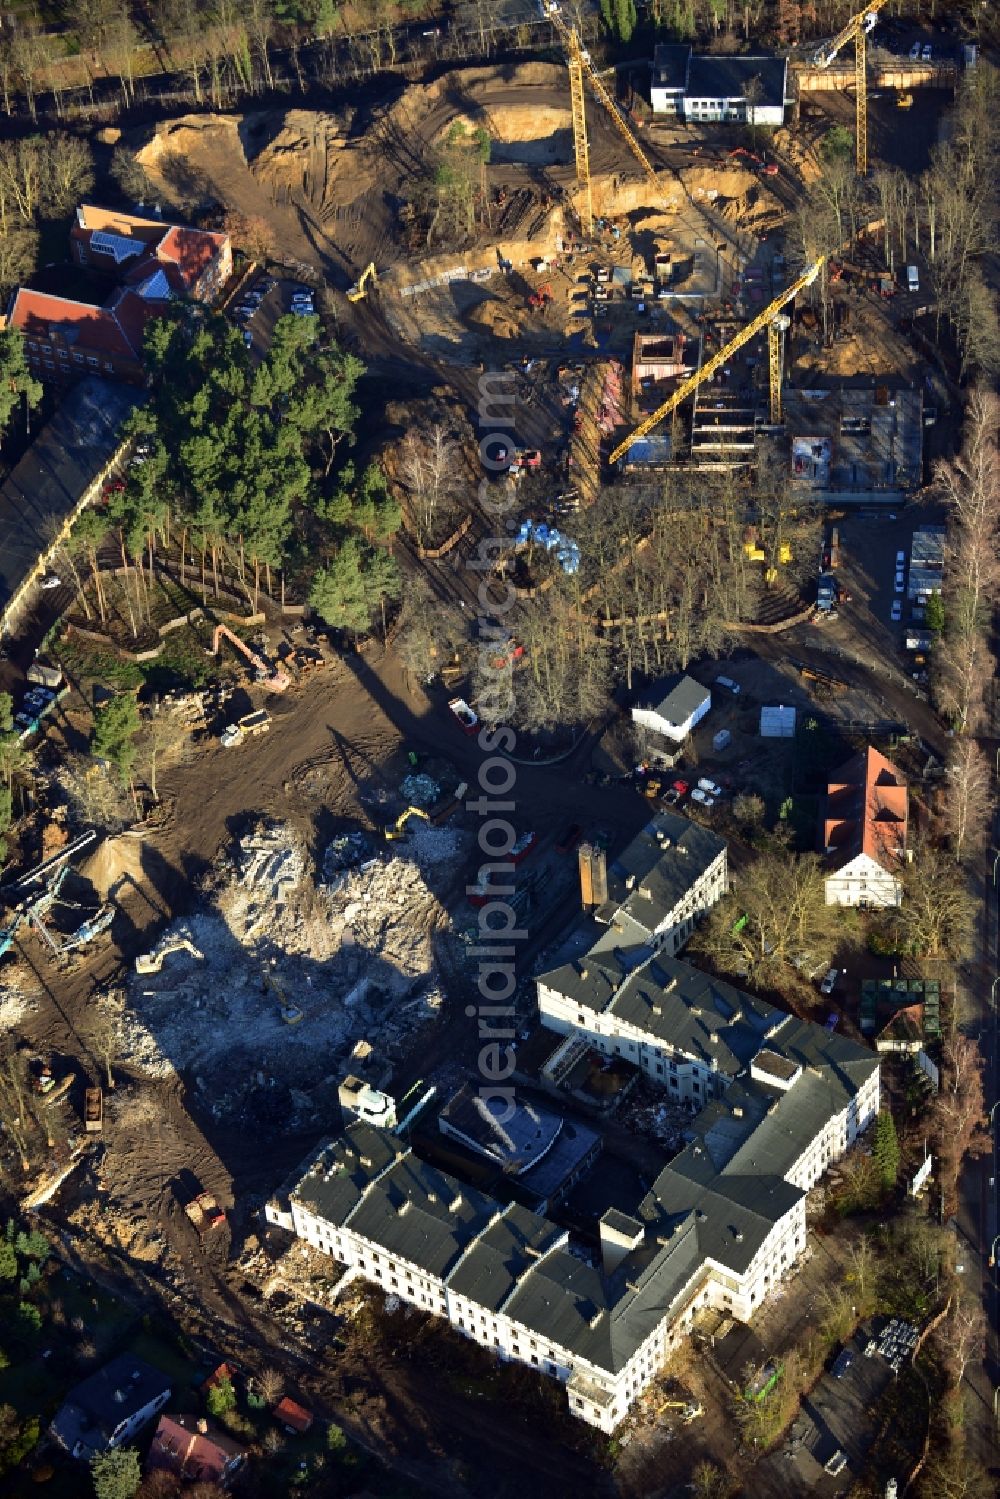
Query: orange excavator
[{"x": 271, "y": 676}]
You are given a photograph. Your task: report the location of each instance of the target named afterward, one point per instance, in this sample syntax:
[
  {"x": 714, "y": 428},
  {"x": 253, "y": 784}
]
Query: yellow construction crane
[
  {"x": 689, "y": 386},
  {"x": 357, "y": 291},
  {"x": 581, "y": 146},
  {"x": 578, "y": 59},
  {"x": 857, "y": 29},
  {"x": 775, "y": 329}
]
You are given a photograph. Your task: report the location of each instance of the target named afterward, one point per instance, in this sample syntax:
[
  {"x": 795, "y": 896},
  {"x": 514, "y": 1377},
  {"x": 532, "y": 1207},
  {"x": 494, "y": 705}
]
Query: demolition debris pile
[{"x": 295, "y": 970}]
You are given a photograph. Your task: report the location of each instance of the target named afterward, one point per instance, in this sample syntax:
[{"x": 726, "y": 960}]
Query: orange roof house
[
  {"x": 289, "y": 1413},
  {"x": 197, "y": 1452},
  {"x": 154, "y": 263},
  {"x": 864, "y": 832}
]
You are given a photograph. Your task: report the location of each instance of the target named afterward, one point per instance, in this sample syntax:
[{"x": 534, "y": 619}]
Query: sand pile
[
  {"x": 495, "y": 318},
  {"x": 115, "y": 860}
]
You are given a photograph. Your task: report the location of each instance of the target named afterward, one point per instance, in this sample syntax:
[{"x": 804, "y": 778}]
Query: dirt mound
[
  {"x": 495, "y": 318},
  {"x": 116, "y": 859}
]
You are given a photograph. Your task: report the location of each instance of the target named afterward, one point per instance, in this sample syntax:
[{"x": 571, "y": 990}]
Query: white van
[{"x": 912, "y": 278}]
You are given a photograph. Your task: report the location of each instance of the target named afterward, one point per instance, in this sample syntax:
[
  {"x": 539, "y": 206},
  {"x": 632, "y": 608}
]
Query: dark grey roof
[
  {"x": 726, "y": 78},
  {"x": 340, "y": 1172},
  {"x": 62, "y": 462},
  {"x": 516, "y": 1143},
  {"x": 704, "y": 1017},
  {"x": 423, "y": 1215},
  {"x": 605, "y": 1319},
  {"x": 670, "y": 65},
  {"x": 509, "y": 1248},
  {"x": 674, "y": 699},
  {"x": 663, "y": 860},
  {"x": 92, "y": 1411}
]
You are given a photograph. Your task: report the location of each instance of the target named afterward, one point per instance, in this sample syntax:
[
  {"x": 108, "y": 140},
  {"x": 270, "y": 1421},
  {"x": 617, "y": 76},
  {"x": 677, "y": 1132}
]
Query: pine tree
[
  {"x": 934, "y": 614},
  {"x": 116, "y": 1474},
  {"x": 885, "y": 1149}
]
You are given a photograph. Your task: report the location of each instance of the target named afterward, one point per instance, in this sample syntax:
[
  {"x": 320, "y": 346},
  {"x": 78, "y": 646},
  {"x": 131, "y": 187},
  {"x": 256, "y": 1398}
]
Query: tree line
[
  {"x": 663, "y": 575},
  {"x": 947, "y": 214},
  {"x": 241, "y": 468}
]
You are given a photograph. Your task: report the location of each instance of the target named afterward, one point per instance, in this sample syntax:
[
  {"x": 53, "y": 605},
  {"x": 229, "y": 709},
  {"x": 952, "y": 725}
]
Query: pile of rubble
[{"x": 261, "y": 996}]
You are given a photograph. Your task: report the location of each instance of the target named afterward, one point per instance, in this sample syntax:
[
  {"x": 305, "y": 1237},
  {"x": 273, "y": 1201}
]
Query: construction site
[{"x": 194, "y": 975}]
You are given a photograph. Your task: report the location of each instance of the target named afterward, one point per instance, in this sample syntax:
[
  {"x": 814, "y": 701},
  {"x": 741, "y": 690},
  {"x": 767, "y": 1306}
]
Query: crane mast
[{"x": 857, "y": 29}]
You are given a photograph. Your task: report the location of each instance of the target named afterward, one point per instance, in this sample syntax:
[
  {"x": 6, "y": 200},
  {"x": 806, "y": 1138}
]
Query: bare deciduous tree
[
  {"x": 968, "y": 799},
  {"x": 937, "y": 910}
]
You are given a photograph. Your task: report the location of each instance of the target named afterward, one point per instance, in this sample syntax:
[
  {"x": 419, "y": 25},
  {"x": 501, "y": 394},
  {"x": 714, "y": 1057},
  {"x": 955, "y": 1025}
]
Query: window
[
  {"x": 46, "y": 348},
  {"x": 32, "y": 344},
  {"x": 93, "y": 361},
  {"x": 50, "y": 364},
  {"x": 108, "y": 365}
]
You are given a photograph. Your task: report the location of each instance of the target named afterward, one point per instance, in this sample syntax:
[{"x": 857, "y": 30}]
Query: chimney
[
  {"x": 585, "y": 865},
  {"x": 455, "y": 1203},
  {"x": 620, "y": 1234},
  {"x": 599, "y": 875}
]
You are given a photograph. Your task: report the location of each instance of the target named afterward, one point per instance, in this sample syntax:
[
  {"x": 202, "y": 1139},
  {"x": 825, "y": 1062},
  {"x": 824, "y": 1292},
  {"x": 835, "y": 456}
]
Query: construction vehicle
[
  {"x": 93, "y": 1111},
  {"x": 397, "y": 829},
  {"x": 904, "y": 101},
  {"x": 205, "y": 1213},
  {"x": 35, "y": 910},
  {"x": 358, "y": 292},
  {"x": 290, "y": 1014},
  {"x": 45, "y": 1085},
  {"x": 258, "y": 722},
  {"x": 692, "y": 1409},
  {"x": 271, "y": 676},
  {"x": 687, "y": 387},
  {"x": 856, "y": 30},
  {"x": 152, "y": 962}
]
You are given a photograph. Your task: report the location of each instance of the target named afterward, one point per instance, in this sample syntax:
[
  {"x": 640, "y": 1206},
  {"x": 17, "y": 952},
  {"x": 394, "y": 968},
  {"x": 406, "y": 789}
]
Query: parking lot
[
  {"x": 834, "y": 1417},
  {"x": 261, "y": 303}
]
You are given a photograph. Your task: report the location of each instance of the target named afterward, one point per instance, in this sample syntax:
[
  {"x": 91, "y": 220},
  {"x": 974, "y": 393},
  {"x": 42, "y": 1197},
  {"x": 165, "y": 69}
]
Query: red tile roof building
[
  {"x": 195, "y": 1451},
  {"x": 289, "y": 1413},
  {"x": 154, "y": 263},
  {"x": 864, "y": 832}
]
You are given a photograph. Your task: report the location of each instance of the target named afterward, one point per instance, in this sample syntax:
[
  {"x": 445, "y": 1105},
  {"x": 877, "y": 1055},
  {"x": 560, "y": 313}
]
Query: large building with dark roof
[
  {"x": 738, "y": 90},
  {"x": 672, "y": 872},
  {"x": 153, "y": 264},
  {"x": 720, "y": 1226}
]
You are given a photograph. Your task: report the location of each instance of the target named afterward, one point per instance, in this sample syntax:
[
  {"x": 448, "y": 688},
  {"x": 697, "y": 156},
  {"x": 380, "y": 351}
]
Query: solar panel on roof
[{"x": 117, "y": 245}]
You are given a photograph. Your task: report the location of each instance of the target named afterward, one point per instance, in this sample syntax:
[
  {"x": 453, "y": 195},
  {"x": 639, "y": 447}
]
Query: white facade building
[{"x": 673, "y": 708}]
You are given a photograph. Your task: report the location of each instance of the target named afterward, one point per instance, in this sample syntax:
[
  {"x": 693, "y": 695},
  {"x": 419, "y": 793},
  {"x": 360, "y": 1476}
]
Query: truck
[
  {"x": 204, "y": 1212},
  {"x": 246, "y": 727},
  {"x": 93, "y": 1111}
]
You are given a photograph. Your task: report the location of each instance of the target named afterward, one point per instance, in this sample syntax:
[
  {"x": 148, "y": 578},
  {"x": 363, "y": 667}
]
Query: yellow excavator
[
  {"x": 397, "y": 829},
  {"x": 357, "y": 292}
]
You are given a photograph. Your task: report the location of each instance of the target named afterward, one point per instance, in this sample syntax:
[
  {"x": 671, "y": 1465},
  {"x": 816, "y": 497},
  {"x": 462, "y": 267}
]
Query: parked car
[
  {"x": 829, "y": 981},
  {"x": 896, "y": 612},
  {"x": 529, "y": 458},
  {"x": 712, "y": 787},
  {"x": 248, "y": 338},
  {"x": 51, "y": 580},
  {"x": 900, "y": 560},
  {"x": 927, "y": 52},
  {"x": 915, "y": 52},
  {"x": 675, "y": 792},
  {"x": 728, "y": 685},
  {"x": 467, "y": 721},
  {"x": 900, "y": 581},
  {"x": 841, "y": 1364},
  {"x": 703, "y": 798}
]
